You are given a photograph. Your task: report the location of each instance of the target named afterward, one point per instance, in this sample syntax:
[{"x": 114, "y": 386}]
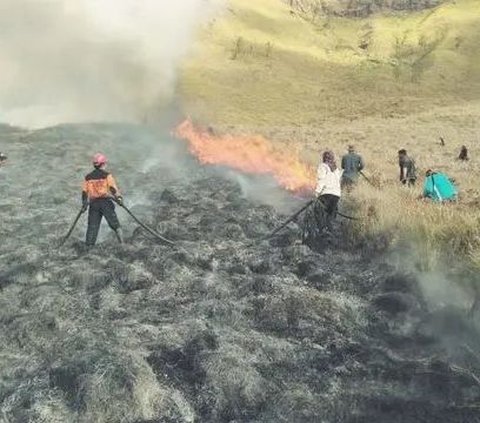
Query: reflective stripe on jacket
[{"x": 99, "y": 184}]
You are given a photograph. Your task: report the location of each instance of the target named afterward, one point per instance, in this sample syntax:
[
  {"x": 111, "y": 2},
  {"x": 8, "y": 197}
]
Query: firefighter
[
  {"x": 352, "y": 165},
  {"x": 99, "y": 190}
]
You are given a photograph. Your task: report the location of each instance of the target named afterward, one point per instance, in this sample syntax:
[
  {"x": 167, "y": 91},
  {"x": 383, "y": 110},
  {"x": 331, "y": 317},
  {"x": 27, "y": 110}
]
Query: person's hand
[
  {"x": 84, "y": 207},
  {"x": 119, "y": 199}
]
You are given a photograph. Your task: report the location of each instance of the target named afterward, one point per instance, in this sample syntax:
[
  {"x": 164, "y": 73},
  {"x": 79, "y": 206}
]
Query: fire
[{"x": 249, "y": 154}]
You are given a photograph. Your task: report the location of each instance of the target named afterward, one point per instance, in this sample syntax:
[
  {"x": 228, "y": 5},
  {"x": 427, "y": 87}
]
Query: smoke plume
[{"x": 91, "y": 60}]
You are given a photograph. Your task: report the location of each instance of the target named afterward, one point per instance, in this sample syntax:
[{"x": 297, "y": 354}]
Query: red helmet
[{"x": 99, "y": 159}]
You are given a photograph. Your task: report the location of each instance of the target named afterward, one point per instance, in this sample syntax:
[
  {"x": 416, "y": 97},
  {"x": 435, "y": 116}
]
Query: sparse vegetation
[
  {"x": 243, "y": 49},
  {"x": 323, "y": 72},
  {"x": 357, "y": 8}
]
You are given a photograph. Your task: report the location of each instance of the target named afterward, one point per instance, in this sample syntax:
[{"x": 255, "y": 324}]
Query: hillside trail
[{"x": 221, "y": 328}]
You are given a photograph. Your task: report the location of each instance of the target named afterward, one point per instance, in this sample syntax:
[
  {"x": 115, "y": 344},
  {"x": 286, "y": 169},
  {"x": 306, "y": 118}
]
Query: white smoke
[{"x": 91, "y": 60}]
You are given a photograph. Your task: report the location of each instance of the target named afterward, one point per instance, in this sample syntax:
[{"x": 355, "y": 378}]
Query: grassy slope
[
  {"x": 289, "y": 71},
  {"x": 311, "y": 84}
]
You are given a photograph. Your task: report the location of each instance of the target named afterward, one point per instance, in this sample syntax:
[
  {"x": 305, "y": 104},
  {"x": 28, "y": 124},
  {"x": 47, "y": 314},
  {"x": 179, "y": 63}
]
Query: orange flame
[{"x": 249, "y": 154}]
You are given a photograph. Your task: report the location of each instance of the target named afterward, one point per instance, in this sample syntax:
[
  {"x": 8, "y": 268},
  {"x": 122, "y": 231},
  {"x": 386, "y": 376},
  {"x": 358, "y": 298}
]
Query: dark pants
[
  {"x": 409, "y": 182},
  {"x": 98, "y": 209},
  {"x": 326, "y": 209},
  {"x": 319, "y": 219},
  {"x": 348, "y": 183}
]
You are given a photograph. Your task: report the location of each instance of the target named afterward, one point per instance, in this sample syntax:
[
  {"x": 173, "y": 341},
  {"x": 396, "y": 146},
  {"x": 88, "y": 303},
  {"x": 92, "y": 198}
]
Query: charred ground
[{"x": 221, "y": 328}]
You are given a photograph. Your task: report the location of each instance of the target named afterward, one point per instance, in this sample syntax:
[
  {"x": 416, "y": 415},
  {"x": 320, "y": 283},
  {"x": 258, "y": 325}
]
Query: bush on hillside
[{"x": 358, "y": 8}]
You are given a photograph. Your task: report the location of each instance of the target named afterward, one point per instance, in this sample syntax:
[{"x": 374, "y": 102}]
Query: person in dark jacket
[
  {"x": 408, "y": 172},
  {"x": 99, "y": 190},
  {"x": 352, "y": 165},
  {"x": 463, "y": 154}
]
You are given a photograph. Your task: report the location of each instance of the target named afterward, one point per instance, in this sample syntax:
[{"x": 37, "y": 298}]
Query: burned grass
[{"x": 220, "y": 328}]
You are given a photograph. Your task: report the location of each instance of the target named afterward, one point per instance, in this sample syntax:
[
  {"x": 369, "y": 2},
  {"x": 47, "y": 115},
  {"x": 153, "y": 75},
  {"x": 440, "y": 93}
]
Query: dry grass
[
  {"x": 263, "y": 69},
  {"x": 390, "y": 211},
  {"x": 260, "y": 64}
]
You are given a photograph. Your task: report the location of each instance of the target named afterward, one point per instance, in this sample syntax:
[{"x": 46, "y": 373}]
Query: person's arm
[
  {"x": 321, "y": 179},
  {"x": 84, "y": 195},
  {"x": 344, "y": 162},
  {"x": 403, "y": 171},
  {"x": 112, "y": 187},
  {"x": 361, "y": 163}
]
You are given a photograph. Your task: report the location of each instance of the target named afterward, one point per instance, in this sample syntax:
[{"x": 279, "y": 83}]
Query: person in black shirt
[
  {"x": 408, "y": 173},
  {"x": 463, "y": 154}
]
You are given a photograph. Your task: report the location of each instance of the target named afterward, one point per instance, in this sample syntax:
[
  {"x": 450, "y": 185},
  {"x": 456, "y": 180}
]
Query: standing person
[
  {"x": 328, "y": 190},
  {"x": 463, "y": 154},
  {"x": 352, "y": 165},
  {"x": 99, "y": 189},
  {"x": 408, "y": 173}
]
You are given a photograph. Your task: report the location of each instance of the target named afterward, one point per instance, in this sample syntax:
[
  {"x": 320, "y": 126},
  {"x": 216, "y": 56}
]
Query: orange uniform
[
  {"x": 99, "y": 184},
  {"x": 99, "y": 189}
]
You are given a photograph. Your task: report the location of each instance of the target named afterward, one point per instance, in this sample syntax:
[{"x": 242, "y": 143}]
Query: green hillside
[{"x": 262, "y": 63}]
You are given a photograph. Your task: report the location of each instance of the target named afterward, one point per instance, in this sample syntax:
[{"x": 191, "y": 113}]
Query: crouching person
[
  {"x": 99, "y": 190},
  {"x": 438, "y": 187}
]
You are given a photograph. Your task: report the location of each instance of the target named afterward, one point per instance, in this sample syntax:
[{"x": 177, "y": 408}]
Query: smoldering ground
[
  {"x": 222, "y": 329},
  {"x": 92, "y": 60}
]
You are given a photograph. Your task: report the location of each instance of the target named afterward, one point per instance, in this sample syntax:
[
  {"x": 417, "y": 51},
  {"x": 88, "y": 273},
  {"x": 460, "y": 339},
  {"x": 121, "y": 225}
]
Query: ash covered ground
[{"x": 222, "y": 328}]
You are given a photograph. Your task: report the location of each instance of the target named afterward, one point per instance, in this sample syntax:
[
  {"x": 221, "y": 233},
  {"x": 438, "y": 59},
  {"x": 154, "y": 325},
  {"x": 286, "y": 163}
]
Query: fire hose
[
  {"x": 143, "y": 226},
  {"x": 290, "y": 219},
  {"x": 72, "y": 227},
  {"x": 367, "y": 179},
  {"x": 298, "y": 213}
]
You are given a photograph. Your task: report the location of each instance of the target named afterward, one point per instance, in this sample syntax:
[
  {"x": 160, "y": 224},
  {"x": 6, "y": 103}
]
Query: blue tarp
[{"x": 438, "y": 187}]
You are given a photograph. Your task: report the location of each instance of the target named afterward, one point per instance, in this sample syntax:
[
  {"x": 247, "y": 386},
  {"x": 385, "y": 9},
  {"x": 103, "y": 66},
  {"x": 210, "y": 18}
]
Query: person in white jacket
[{"x": 328, "y": 189}]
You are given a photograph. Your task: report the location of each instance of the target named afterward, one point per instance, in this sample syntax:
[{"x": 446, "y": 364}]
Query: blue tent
[{"x": 438, "y": 187}]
